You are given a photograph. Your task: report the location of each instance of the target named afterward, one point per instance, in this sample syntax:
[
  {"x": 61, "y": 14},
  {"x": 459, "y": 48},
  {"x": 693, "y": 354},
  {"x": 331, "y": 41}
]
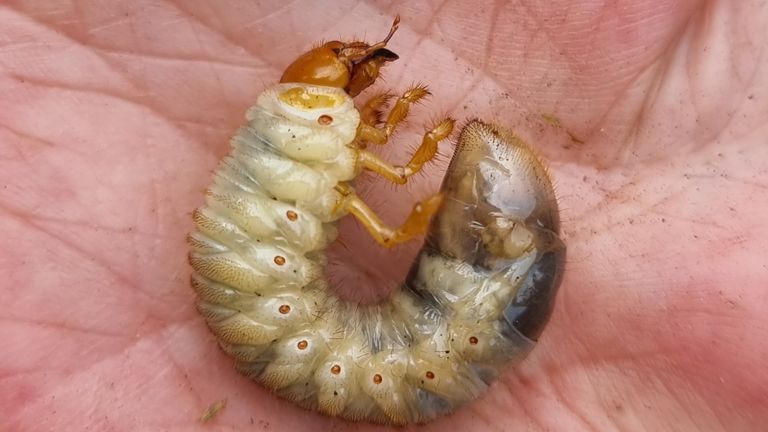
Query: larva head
[{"x": 353, "y": 66}]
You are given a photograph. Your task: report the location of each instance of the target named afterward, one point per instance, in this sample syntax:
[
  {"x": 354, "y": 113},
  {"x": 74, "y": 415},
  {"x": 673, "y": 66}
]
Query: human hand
[{"x": 652, "y": 116}]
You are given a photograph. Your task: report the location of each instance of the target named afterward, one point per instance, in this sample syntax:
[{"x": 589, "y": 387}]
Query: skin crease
[{"x": 113, "y": 115}]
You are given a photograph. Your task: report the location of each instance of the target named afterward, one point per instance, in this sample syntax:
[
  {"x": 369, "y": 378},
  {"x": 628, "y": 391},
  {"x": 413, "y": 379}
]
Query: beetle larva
[{"x": 475, "y": 300}]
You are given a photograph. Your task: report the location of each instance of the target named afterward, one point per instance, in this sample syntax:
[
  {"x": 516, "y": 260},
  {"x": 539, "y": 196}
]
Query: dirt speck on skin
[
  {"x": 554, "y": 122},
  {"x": 213, "y": 410}
]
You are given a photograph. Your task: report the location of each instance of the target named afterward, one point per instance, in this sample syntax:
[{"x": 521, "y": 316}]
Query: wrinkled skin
[{"x": 113, "y": 114}]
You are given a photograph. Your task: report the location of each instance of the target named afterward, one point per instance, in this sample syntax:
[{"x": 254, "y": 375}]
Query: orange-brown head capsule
[{"x": 353, "y": 66}]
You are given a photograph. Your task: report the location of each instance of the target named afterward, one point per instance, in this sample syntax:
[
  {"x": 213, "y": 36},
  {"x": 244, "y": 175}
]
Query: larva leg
[
  {"x": 425, "y": 153},
  {"x": 402, "y": 106},
  {"x": 370, "y": 113},
  {"x": 415, "y": 225}
]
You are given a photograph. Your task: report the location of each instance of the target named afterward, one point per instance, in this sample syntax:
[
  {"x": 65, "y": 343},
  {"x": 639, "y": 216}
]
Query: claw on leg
[
  {"x": 415, "y": 224},
  {"x": 402, "y": 106}
]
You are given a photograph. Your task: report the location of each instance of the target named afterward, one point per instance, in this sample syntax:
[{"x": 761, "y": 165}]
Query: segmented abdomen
[{"x": 435, "y": 345}]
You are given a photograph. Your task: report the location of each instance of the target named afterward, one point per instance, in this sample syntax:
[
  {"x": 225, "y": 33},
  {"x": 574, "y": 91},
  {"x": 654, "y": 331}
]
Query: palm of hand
[{"x": 112, "y": 118}]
